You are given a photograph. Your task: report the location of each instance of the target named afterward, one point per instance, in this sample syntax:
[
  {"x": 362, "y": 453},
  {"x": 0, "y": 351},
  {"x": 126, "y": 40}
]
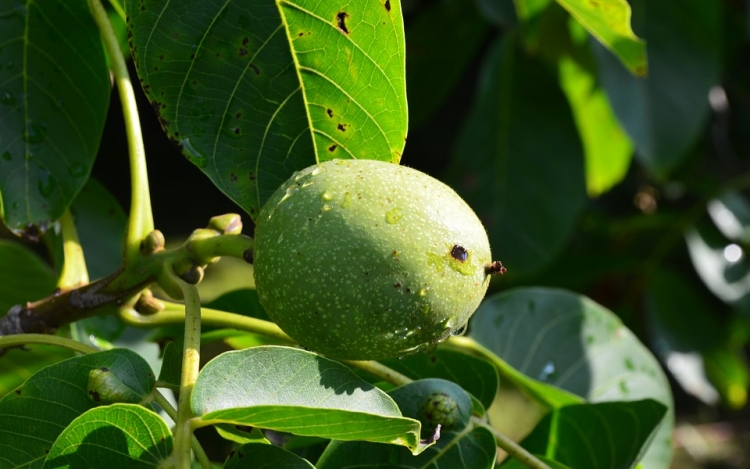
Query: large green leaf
[
  {"x": 295, "y": 391},
  {"x": 609, "y": 22},
  {"x": 120, "y": 436},
  {"x": 54, "y": 93},
  {"x": 34, "y": 415},
  {"x": 253, "y": 91},
  {"x": 608, "y": 435},
  {"x": 664, "y": 113},
  {"x": 569, "y": 341},
  {"x": 519, "y": 160}
]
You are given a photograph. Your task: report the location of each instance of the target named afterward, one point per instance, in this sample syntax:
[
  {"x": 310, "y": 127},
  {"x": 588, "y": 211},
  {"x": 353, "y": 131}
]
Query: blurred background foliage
[{"x": 631, "y": 190}]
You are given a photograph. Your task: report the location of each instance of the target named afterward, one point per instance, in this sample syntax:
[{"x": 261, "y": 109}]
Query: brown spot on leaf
[
  {"x": 341, "y": 21},
  {"x": 255, "y": 69},
  {"x": 245, "y": 40},
  {"x": 332, "y": 148},
  {"x": 161, "y": 56},
  {"x": 388, "y": 5},
  {"x": 243, "y": 52},
  {"x": 330, "y": 112},
  {"x": 342, "y": 127}
]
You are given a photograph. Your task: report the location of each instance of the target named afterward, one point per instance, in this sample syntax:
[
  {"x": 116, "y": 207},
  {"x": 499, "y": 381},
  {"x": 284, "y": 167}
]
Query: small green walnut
[
  {"x": 440, "y": 409},
  {"x": 365, "y": 260}
]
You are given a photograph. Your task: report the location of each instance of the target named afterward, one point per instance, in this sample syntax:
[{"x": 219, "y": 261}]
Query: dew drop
[
  {"x": 289, "y": 192},
  {"x": 393, "y": 216},
  {"x": 78, "y": 170},
  {"x": 8, "y": 99},
  {"x": 35, "y": 132},
  {"x": 548, "y": 371},
  {"x": 326, "y": 207},
  {"x": 461, "y": 330},
  {"x": 423, "y": 291},
  {"x": 318, "y": 170},
  {"x": 46, "y": 183},
  {"x": 328, "y": 195},
  {"x": 6, "y": 156}
]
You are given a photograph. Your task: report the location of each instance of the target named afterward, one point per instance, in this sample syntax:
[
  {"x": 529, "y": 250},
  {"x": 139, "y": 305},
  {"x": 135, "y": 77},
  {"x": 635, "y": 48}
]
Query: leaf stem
[
  {"x": 140, "y": 220},
  {"x": 173, "y": 313},
  {"x": 190, "y": 368},
  {"x": 381, "y": 371},
  {"x": 200, "y": 453},
  {"x": 17, "y": 340},
  {"x": 513, "y": 449},
  {"x": 74, "y": 271}
]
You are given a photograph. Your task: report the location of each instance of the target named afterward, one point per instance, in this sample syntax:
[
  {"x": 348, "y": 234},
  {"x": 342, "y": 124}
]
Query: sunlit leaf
[
  {"x": 609, "y": 22},
  {"x": 253, "y": 92},
  {"x": 295, "y": 391},
  {"x": 569, "y": 341},
  {"x": 607, "y": 149},
  {"x": 53, "y": 103},
  {"x": 119, "y": 436}
]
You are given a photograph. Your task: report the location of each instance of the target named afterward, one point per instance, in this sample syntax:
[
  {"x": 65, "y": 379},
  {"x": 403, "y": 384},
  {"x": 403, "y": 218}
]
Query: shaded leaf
[
  {"x": 253, "y": 455},
  {"x": 569, "y": 341},
  {"x": 686, "y": 321},
  {"x": 605, "y": 435},
  {"x": 242, "y": 434},
  {"x": 475, "y": 375},
  {"x": 432, "y": 402},
  {"x": 609, "y": 22},
  {"x": 34, "y": 415},
  {"x": 115, "y": 436},
  {"x": 294, "y": 391},
  {"x": 53, "y": 104},
  {"x": 253, "y": 92},
  {"x": 664, "y": 113},
  {"x": 23, "y": 276},
  {"x": 527, "y": 190},
  {"x": 171, "y": 366},
  {"x": 607, "y": 149},
  {"x": 430, "y": 78},
  {"x": 511, "y": 463},
  {"x": 473, "y": 448}
]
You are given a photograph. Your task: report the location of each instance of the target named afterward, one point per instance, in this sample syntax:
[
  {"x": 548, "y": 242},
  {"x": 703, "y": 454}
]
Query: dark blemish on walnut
[{"x": 459, "y": 253}]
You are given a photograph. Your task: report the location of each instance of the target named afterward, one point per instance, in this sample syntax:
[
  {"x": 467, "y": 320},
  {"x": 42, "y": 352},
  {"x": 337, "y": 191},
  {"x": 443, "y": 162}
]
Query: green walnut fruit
[{"x": 365, "y": 260}]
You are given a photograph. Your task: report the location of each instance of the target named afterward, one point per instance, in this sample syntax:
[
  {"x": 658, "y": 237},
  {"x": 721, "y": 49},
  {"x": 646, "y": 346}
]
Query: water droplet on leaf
[
  {"x": 548, "y": 371},
  {"x": 8, "y": 99},
  {"x": 46, "y": 183},
  {"x": 35, "y": 132}
]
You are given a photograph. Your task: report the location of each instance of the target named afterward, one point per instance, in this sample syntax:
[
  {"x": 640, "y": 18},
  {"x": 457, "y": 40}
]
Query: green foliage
[
  {"x": 289, "y": 84},
  {"x": 53, "y": 104},
  {"x": 606, "y": 159},
  {"x": 299, "y": 392},
  {"x": 116, "y": 436}
]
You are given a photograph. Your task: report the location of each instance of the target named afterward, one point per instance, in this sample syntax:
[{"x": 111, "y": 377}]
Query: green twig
[
  {"x": 200, "y": 453},
  {"x": 17, "y": 340},
  {"x": 513, "y": 449},
  {"x": 140, "y": 220},
  {"x": 74, "y": 271},
  {"x": 190, "y": 368}
]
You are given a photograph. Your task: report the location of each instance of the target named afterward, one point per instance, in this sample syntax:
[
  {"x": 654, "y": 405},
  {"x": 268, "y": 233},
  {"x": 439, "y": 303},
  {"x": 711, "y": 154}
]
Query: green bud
[
  {"x": 147, "y": 304},
  {"x": 440, "y": 409},
  {"x": 153, "y": 242},
  {"x": 231, "y": 223}
]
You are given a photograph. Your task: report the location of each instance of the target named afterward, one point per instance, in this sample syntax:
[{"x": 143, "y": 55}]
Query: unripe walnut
[{"x": 363, "y": 260}]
